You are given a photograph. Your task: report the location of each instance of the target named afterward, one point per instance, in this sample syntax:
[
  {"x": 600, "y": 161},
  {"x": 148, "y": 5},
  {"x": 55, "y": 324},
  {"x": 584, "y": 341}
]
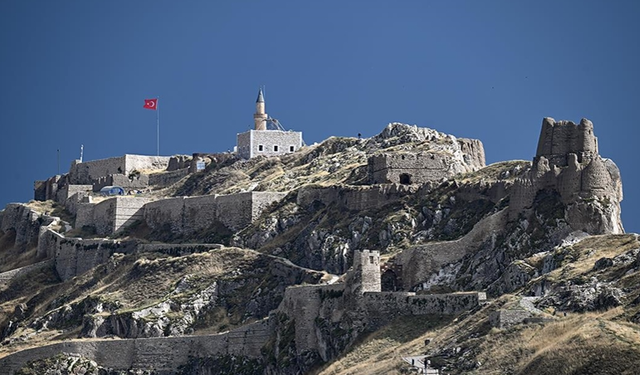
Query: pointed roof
[{"x": 260, "y": 97}]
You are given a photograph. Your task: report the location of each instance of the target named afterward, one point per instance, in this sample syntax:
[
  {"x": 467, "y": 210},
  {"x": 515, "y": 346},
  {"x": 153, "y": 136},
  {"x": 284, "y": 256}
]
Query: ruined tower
[
  {"x": 365, "y": 275},
  {"x": 264, "y": 141}
]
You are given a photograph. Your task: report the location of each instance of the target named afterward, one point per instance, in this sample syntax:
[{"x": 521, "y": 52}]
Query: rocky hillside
[{"x": 543, "y": 238}]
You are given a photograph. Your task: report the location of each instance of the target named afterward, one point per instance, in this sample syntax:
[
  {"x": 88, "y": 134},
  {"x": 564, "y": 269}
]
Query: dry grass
[{"x": 589, "y": 250}]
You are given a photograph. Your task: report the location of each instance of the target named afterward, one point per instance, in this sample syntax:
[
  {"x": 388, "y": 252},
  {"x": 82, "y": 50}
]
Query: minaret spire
[{"x": 260, "y": 117}]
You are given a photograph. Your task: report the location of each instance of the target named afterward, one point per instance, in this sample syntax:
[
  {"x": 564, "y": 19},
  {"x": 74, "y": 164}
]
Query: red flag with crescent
[{"x": 151, "y": 104}]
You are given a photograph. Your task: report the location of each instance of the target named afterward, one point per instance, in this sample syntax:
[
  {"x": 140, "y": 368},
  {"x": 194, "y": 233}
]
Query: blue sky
[{"x": 76, "y": 72}]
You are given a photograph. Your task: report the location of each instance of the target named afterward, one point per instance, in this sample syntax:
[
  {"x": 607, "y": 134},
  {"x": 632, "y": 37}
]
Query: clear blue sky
[{"x": 76, "y": 72}]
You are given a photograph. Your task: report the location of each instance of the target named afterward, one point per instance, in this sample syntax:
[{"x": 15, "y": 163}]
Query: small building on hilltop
[{"x": 264, "y": 141}]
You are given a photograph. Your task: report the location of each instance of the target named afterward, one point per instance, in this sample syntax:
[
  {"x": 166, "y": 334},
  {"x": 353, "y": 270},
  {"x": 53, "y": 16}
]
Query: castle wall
[
  {"x": 418, "y": 167},
  {"x": 86, "y": 173},
  {"x": 104, "y": 214},
  {"x": 128, "y": 211},
  {"x": 504, "y": 318},
  {"x": 165, "y": 213},
  {"x": 200, "y": 213},
  {"x": 560, "y": 138},
  {"x": 139, "y": 182},
  {"x": 164, "y": 355},
  {"x": 6, "y": 277},
  {"x": 84, "y": 215},
  {"x": 65, "y": 192},
  {"x": 285, "y": 141},
  {"x": 183, "y": 215},
  {"x": 305, "y": 304},
  {"x": 190, "y": 214},
  {"x": 234, "y": 210},
  {"x": 260, "y": 200},
  {"x": 75, "y": 256},
  {"x": 358, "y": 198},
  {"x": 111, "y": 215},
  {"x": 25, "y": 222}
]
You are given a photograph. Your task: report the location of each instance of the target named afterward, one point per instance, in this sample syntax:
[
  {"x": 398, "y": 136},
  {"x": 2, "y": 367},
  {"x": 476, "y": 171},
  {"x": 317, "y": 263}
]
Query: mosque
[{"x": 268, "y": 137}]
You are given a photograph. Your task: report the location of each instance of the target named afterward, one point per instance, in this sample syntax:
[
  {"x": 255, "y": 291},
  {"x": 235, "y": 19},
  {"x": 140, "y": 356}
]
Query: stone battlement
[{"x": 561, "y": 138}]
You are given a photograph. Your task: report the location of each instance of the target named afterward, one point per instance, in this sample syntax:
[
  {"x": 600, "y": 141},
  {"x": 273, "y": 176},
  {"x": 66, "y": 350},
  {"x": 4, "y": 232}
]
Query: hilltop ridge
[{"x": 406, "y": 226}]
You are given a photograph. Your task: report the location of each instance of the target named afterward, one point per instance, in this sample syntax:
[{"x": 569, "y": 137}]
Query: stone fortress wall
[
  {"x": 162, "y": 355},
  {"x": 361, "y": 293},
  {"x": 567, "y": 161},
  {"x": 453, "y": 156},
  {"x": 111, "y": 215},
  {"x": 85, "y": 173}
]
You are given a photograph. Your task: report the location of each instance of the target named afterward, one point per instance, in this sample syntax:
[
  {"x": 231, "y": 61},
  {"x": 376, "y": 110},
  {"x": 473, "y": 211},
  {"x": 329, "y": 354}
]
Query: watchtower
[{"x": 365, "y": 275}]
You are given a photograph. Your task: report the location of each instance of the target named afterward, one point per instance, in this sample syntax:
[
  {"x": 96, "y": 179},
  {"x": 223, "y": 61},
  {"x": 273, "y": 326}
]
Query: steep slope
[{"x": 442, "y": 221}]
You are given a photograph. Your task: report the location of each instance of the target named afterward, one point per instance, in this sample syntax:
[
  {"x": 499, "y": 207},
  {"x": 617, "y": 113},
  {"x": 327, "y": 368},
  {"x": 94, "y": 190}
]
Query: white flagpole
[{"x": 158, "y": 126}]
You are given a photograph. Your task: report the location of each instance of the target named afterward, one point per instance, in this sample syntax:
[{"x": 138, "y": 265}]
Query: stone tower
[
  {"x": 261, "y": 141},
  {"x": 365, "y": 276},
  {"x": 260, "y": 117}
]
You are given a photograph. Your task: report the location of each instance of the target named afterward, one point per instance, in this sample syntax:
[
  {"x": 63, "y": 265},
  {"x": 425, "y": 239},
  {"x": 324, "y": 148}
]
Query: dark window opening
[
  {"x": 260, "y": 148},
  {"x": 275, "y": 148},
  {"x": 370, "y": 260},
  {"x": 390, "y": 281},
  {"x": 292, "y": 148},
  {"x": 405, "y": 179}
]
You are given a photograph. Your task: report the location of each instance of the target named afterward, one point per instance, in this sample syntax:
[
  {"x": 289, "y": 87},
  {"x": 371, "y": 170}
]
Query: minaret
[{"x": 260, "y": 118}]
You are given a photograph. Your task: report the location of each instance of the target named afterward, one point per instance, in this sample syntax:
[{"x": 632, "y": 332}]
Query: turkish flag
[{"x": 151, "y": 104}]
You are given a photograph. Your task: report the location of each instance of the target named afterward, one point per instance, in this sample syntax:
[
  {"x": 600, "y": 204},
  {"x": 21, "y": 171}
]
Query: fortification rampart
[
  {"x": 305, "y": 304},
  {"x": 567, "y": 162},
  {"x": 86, "y": 173},
  {"x": 561, "y": 138},
  {"x": 445, "y": 160},
  {"x": 162, "y": 355},
  {"x": 419, "y": 262},
  {"x": 354, "y": 198},
  {"x": 25, "y": 222},
  {"x": 111, "y": 215},
  {"x": 46, "y": 189},
  {"x": 140, "y": 181},
  {"x": 6, "y": 277},
  {"x": 186, "y": 215},
  {"x": 75, "y": 256},
  {"x": 65, "y": 192},
  {"x": 385, "y": 306}
]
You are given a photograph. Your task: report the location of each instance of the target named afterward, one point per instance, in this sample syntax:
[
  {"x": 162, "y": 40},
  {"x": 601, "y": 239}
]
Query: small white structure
[{"x": 263, "y": 141}]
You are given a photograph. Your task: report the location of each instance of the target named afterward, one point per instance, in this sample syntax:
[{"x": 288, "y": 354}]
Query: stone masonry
[
  {"x": 162, "y": 355},
  {"x": 567, "y": 161},
  {"x": 86, "y": 173},
  {"x": 268, "y": 143},
  {"x": 442, "y": 162},
  {"x": 111, "y": 215}
]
